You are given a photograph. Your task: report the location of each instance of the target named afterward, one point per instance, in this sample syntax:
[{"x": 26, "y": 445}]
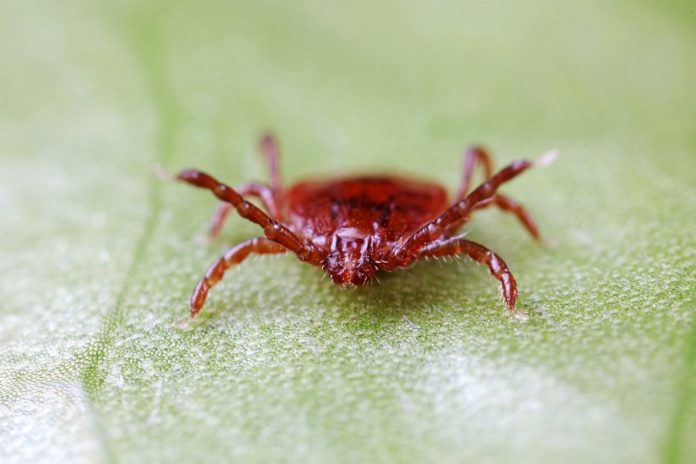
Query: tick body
[{"x": 355, "y": 227}]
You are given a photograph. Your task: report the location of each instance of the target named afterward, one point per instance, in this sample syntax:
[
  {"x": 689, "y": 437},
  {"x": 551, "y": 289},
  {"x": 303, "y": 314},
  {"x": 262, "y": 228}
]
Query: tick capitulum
[{"x": 353, "y": 227}]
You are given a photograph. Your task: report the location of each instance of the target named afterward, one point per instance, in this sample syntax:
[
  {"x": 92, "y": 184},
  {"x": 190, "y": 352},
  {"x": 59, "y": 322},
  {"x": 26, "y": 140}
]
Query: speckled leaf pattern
[{"x": 98, "y": 256}]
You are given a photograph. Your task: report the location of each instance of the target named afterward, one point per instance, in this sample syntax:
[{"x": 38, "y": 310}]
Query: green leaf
[{"x": 99, "y": 256}]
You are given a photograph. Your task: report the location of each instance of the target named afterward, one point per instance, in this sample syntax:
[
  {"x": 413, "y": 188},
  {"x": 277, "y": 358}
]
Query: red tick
[{"x": 354, "y": 227}]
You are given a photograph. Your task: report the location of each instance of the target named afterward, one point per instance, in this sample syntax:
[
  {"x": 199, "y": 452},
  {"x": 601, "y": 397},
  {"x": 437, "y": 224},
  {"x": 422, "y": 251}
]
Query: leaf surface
[{"x": 99, "y": 256}]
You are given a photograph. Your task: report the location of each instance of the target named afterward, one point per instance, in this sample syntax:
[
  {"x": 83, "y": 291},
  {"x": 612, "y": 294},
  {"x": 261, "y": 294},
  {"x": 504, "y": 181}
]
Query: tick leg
[
  {"x": 272, "y": 229},
  {"x": 509, "y": 205},
  {"x": 479, "y": 156},
  {"x": 233, "y": 256},
  {"x": 270, "y": 150},
  {"x": 472, "y": 157},
  {"x": 457, "y": 245},
  {"x": 271, "y": 197},
  {"x": 261, "y": 191},
  {"x": 405, "y": 253}
]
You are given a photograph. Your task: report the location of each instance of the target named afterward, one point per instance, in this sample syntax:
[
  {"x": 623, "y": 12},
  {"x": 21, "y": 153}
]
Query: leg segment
[
  {"x": 261, "y": 191},
  {"x": 233, "y": 256},
  {"x": 269, "y": 148},
  {"x": 509, "y": 205},
  {"x": 479, "y": 155},
  {"x": 499, "y": 270},
  {"x": 271, "y": 197},
  {"x": 272, "y": 229},
  {"x": 473, "y": 156},
  {"x": 404, "y": 253}
]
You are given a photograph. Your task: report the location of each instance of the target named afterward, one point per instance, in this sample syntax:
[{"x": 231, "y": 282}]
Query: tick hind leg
[
  {"x": 271, "y": 196},
  {"x": 456, "y": 246},
  {"x": 473, "y": 157},
  {"x": 233, "y": 256}
]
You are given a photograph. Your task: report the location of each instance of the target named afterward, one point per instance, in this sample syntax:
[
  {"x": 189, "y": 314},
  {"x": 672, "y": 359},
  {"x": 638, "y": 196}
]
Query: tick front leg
[
  {"x": 261, "y": 191},
  {"x": 233, "y": 256},
  {"x": 272, "y": 229},
  {"x": 457, "y": 246},
  {"x": 404, "y": 253},
  {"x": 272, "y": 198},
  {"x": 473, "y": 157}
]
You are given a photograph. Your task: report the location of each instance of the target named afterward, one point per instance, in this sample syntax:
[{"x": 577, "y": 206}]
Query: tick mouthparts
[{"x": 547, "y": 158}]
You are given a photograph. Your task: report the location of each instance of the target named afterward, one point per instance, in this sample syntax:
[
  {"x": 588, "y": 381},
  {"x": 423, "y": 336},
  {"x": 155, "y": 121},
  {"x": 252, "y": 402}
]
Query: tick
[{"x": 354, "y": 227}]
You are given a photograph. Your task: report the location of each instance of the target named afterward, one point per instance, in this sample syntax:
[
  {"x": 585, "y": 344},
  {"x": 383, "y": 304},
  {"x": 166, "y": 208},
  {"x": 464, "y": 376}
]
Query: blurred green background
[{"x": 98, "y": 256}]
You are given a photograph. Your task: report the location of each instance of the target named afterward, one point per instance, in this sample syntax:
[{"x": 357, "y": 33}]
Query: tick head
[{"x": 349, "y": 261}]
